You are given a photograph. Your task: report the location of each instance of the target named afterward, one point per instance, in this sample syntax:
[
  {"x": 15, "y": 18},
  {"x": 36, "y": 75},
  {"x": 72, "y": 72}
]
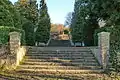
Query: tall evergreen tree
[
  {"x": 28, "y": 9},
  {"x": 33, "y": 11},
  {"x": 76, "y": 25},
  {"x": 84, "y": 22},
  {"x": 29, "y": 14},
  {"x": 9, "y": 15},
  {"x": 43, "y": 30},
  {"x": 5, "y": 14}
]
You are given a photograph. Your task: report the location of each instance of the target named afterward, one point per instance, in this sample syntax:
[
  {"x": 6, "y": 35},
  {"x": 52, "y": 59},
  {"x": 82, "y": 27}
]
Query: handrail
[{"x": 48, "y": 42}]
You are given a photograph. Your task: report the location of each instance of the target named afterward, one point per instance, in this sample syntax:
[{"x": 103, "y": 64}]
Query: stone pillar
[
  {"x": 14, "y": 41},
  {"x": 15, "y": 38},
  {"x": 70, "y": 38},
  {"x": 103, "y": 44}
]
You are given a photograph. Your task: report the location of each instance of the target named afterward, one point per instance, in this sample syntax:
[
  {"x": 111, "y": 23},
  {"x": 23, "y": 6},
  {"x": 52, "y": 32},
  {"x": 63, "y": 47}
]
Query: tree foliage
[
  {"x": 28, "y": 10},
  {"x": 24, "y": 14},
  {"x": 9, "y": 14},
  {"x": 29, "y": 33},
  {"x": 86, "y": 16},
  {"x": 5, "y": 14},
  {"x": 68, "y": 19},
  {"x": 84, "y": 22},
  {"x": 44, "y": 25},
  {"x": 109, "y": 11}
]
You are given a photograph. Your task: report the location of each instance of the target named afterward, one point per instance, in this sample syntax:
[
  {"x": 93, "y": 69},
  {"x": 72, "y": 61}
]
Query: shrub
[
  {"x": 4, "y": 34},
  {"x": 66, "y": 32}
]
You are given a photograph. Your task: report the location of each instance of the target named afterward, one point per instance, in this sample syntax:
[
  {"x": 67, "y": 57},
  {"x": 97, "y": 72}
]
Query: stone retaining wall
[{"x": 3, "y": 50}]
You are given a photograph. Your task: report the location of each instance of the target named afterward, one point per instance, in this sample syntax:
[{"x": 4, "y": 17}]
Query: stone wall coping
[
  {"x": 108, "y": 33},
  {"x": 15, "y": 33}
]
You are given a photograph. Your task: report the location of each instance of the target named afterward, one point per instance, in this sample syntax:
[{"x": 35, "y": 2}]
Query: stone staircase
[
  {"x": 69, "y": 63},
  {"x": 60, "y": 43}
]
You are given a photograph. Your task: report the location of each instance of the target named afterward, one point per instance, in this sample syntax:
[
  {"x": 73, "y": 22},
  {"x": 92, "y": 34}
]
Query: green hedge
[
  {"x": 66, "y": 32},
  {"x": 4, "y": 34}
]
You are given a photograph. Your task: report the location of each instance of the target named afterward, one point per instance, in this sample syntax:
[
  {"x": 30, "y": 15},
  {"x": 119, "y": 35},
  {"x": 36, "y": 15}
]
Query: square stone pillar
[
  {"x": 70, "y": 38},
  {"x": 103, "y": 44},
  {"x": 15, "y": 41}
]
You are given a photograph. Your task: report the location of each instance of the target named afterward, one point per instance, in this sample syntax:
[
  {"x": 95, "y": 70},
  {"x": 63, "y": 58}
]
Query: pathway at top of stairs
[{"x": 59, "y": 43}]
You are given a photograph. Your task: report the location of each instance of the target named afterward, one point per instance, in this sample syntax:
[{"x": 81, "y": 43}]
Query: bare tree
[{"x": 68, "y": 19}]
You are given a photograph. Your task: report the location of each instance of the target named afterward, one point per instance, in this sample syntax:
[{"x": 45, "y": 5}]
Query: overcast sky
[{"x": 58, "y": 9}]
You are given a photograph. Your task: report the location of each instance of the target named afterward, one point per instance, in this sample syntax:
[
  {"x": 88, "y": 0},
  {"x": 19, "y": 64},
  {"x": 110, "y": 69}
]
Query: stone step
[
  {"x": 51, "y": 71},
  {"x": 60, "y": 48},
  {"x": 59, "y": 60},
  {"x": 61, "y": 67},
  {"x": 62, "y": 63},
  {"x": 83, "y": 76},
  {"x": 57, "y": 51},
  {"x": 47, "y": 76},
  {"x": 59, "y": 54},
  {"x": 68, "y": 62},
  {"x": 60, "y": 57}
]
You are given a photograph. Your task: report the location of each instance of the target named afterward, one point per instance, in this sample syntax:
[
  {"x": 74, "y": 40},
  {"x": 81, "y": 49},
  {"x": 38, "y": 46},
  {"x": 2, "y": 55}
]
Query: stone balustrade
[
  {"x": 96, "y": 51},
  {"x": 16, "y": 54}
]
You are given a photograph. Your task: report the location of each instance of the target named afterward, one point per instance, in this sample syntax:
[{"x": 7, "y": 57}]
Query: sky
[{"x": 58, "y": 9}]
